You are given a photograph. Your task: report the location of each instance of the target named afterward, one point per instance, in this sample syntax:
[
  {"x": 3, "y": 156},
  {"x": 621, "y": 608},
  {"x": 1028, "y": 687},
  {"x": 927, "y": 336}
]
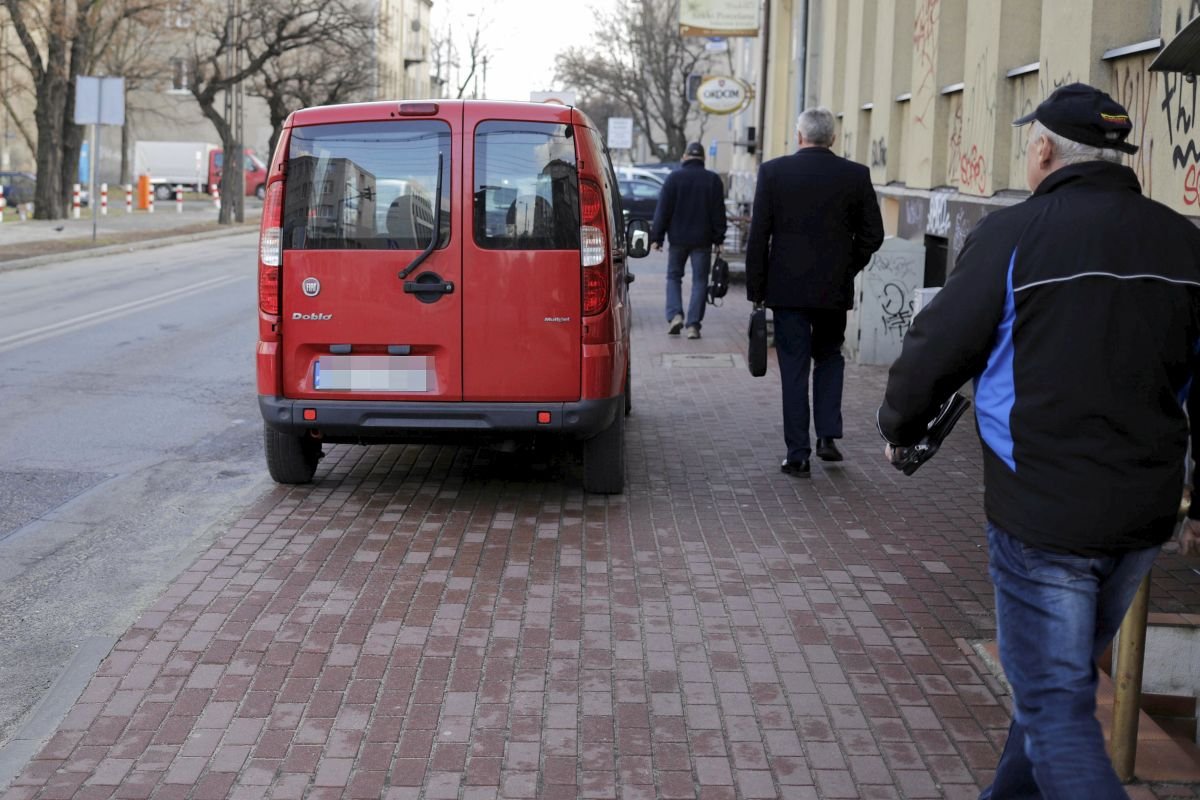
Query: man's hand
[
  {"x": 658, "y": 246},
  {"x": 1189, "y": 537}
]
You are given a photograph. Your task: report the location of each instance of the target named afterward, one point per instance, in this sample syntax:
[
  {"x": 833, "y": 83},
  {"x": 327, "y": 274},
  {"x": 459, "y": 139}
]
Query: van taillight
[
  {"x": 593, "y": 248},
  {"x": 270, "y": 249}
]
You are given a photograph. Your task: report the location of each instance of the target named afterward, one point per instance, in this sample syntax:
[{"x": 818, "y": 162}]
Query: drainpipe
[{"x": 765, "y": 39}]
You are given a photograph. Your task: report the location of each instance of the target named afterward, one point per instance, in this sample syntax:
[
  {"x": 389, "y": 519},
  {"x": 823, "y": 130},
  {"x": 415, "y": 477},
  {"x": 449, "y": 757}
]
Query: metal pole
[
  {"x": 1127, "y": 683},
  {"x": 95, "y": 157}
]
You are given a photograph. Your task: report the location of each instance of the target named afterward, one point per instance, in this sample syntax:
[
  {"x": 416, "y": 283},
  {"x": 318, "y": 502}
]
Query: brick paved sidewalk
[{"x": 433, "y": 622}]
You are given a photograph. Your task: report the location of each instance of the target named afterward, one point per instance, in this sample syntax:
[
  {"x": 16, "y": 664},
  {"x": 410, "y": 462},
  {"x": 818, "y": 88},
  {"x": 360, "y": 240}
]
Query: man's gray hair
[
  {"x": 816, "y": 125},
  {"x": 1068, "y": 151}
]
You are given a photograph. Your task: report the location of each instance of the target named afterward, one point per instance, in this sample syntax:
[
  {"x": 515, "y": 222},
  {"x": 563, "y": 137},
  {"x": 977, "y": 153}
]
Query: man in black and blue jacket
[{"x": 1077, "y": 314}]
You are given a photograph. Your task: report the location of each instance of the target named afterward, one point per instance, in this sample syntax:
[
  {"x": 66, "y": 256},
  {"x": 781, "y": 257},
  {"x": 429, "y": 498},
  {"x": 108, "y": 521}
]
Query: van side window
[
  {"x": 366, "y": 186},
  {"x": 526, "y": 187}
]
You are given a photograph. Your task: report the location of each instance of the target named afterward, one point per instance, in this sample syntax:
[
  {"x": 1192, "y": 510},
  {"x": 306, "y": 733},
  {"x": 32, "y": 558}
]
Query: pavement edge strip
[
  {"x": 43, "y": 720},
  {"x": 112, "y": 249}
]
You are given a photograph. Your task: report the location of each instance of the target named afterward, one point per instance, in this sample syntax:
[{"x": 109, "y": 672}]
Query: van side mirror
[{"x": 638, "y": 236}]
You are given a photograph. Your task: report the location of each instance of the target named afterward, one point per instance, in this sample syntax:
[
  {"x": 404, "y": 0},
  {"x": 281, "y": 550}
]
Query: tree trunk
[
  {"x": 126, "y": 167},
  {"x": 228, "y": 147},
  {"x": 48, "y": 194}
]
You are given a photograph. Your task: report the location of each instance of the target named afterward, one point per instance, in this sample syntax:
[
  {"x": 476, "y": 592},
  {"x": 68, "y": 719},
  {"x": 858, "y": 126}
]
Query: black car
[
  {"x": 639, "y": 198},
  {"x": 17, "y": 187}
]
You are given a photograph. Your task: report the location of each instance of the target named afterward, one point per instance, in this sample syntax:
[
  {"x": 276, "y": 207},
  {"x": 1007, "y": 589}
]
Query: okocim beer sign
[{"x": 721, "y": 95}]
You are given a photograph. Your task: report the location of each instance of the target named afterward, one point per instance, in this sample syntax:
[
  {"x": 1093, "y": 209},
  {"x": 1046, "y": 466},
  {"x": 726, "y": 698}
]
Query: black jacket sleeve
[
  {"x": 758, "y": 241},
  {"x": 1193, "y": 412},
  {"x": 716, "y": 209},
  {"x": 870, "y": 232},
  {"x": 663, "y": 211},
  {"x": 949, "y": 341}
]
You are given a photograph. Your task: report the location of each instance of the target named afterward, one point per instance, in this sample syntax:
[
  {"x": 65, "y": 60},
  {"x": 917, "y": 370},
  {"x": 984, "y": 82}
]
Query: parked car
[
  {"x": 489, "y": 301},
  {"x": 626, "y": 172},
  {"x": 639, "y": 198},
  {"x": 17, "y": 187}
]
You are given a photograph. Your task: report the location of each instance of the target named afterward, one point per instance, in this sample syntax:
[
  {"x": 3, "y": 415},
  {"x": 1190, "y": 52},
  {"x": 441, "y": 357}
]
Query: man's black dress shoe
[
  {"x": 827, "y": 450},
  {"x": 798, "y": 469}
]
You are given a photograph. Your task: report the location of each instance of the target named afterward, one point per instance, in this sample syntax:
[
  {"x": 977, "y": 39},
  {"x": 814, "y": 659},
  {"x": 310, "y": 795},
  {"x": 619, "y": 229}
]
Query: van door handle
[{"x": 428, "y": 287}]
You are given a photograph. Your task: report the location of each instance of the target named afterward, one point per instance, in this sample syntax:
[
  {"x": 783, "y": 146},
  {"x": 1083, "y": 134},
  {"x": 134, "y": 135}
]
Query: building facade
[{"x": 925, "y": 92}]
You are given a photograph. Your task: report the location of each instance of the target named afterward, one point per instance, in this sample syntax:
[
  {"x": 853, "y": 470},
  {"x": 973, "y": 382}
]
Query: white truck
[{"x": 195, "y": 166}]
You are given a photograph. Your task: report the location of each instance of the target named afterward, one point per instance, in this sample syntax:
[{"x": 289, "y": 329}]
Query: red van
[{"x": 443, "y": 271}]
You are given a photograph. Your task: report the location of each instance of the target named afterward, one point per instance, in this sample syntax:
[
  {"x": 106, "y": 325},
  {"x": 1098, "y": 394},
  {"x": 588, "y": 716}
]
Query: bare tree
[
  {"x": 326, "y": 72},
  {"x": 639, "y": 59},
  {"x": 62, "y": 40},
  {"x": 456, "y": 66},
  {"x": 131, "y": 54},
  {"x": 233, "y": 42}
]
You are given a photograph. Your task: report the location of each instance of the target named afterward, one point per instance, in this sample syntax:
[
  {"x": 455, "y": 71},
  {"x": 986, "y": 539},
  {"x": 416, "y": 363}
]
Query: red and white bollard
[
  {"x": 3, "y": 202},
  {"x": 179, "y": 199},
  {"x": 129, "y": 198},
  {"x": 104, "y": 199},
  {"x": 216, "y": 196},
  {"x": 75, "y": 201},
  {"x": 150, "y": 202}
]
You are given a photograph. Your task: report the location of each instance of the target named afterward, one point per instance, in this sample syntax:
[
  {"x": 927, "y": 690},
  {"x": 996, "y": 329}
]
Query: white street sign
[{"x": 620, "y": 133}]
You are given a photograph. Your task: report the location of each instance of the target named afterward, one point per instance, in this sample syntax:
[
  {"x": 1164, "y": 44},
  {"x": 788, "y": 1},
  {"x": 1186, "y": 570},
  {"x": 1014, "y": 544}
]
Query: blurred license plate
[{"x": 373, "y": 373}]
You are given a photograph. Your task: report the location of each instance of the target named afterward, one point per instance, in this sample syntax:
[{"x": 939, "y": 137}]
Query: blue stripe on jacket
[{"x": 995, "y": 389}]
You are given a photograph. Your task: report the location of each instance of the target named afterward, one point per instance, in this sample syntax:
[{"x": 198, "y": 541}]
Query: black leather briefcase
[{"x": 756, "y": 353}]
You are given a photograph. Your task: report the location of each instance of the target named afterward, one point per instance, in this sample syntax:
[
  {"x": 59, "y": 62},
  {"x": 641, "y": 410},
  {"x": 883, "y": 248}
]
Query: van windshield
[
  {"x": 526, "y": 187},
  {"x": 366, "y": 186}
]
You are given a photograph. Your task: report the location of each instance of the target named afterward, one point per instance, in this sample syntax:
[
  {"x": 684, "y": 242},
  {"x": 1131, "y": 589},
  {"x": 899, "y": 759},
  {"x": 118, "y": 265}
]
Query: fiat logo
[{"x": 311, "y": 287}]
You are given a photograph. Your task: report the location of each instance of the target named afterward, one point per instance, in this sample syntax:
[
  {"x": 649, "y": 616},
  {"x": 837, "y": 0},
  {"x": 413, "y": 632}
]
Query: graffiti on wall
[
  {"x": 925, "y": 25},
  {"x": 887, "y": 295},
  {"x": 879, "y": 153},
  {"x": 954, "y": 139},
  {"x": 979, "y": 126},
  {"x": 937, "y": 222},
  {"x": 1135, "y": 88},
  {"x": 1025, "y": 98},
  {"x": 1179, "y": 107}
]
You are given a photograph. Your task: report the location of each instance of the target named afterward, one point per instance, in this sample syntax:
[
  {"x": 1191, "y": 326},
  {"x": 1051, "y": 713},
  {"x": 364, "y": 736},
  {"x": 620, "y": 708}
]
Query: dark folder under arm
[{"x": 909, "y": 459}]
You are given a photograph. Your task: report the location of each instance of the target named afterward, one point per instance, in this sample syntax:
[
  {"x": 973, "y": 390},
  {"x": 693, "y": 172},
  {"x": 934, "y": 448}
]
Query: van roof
[{"x": 370, "y": 112}]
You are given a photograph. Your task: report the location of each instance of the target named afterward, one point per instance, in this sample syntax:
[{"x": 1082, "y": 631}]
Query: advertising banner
[
  {"x": 722, "y": 95},
  {"x": 718, "y": 17}
]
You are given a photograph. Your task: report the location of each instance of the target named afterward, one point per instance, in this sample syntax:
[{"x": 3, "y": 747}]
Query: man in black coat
[
  {"x": 691, "y": 213},
  {"x": 815, "y": 224}
]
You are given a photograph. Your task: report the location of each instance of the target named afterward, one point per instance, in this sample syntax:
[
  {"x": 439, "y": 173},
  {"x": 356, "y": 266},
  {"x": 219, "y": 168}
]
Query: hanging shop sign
[
  {"x": 721, "y": 95},
  {"x": 718, "y": 17}
]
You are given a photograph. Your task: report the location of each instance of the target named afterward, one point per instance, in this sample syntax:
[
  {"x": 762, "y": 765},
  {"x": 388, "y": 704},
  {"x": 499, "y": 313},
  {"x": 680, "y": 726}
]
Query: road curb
[
  {"x": 126, "y": 247},
  {"x": 45, "y": 717}
]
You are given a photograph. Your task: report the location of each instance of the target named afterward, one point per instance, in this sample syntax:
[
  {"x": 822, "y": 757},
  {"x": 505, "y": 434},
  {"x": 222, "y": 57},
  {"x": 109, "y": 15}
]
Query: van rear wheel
[
  {"x": 628, "y": 389},
  {"x": 604, "y": 458},
  {"x": 291, "y": 458}
]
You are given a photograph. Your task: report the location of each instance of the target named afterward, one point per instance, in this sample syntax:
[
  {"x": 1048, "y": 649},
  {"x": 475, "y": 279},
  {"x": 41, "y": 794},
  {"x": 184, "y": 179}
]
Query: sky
[{"x": 522, "y": 37}]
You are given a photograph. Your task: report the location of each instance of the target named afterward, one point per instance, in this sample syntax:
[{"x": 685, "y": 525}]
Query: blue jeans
[
  {"x": 804, "y": 337},
  {"x": 677, "y": 258},
  {"x": 1055, "y": 615}
]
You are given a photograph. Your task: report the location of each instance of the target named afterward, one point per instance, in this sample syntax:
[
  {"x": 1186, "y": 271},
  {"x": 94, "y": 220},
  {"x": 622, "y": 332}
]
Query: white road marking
[{"x": 115, "y": 312}]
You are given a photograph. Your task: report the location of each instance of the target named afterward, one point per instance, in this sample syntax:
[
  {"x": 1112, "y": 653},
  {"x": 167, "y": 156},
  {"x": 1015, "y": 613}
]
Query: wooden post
[{"x": 1127, "y": 683}]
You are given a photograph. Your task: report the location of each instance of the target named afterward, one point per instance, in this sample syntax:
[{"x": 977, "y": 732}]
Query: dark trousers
[{"x": 803, "y": 337}]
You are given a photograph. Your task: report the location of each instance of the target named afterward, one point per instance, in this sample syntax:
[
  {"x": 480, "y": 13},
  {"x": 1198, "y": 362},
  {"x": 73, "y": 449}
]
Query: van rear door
[
  {"x": 521, "y": 267},
  {"x": 359, "y": 208}
]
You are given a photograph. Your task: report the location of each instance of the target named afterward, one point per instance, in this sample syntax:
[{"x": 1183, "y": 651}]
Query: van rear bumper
[{"x": 377, "y": 421}]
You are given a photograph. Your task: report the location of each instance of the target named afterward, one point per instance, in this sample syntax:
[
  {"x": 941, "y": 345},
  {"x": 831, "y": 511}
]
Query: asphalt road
[{"x": 130, "y": 436}]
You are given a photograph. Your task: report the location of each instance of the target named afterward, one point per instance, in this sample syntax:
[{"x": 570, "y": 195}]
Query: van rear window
[
  {"x": 526, "y": 186},
  {"x": 366, "y": 186}
]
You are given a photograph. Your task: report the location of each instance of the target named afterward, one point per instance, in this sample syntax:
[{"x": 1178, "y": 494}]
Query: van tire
[
  {"x": 164, "y": 192},
  {"x": 290, "y": 458},
  {"x": 604, "y": 459}
]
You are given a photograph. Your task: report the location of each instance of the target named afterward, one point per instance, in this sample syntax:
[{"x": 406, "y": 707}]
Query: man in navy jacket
[
  {"x": 815, "y": 224},
  {"x": 691, "y": 214}
]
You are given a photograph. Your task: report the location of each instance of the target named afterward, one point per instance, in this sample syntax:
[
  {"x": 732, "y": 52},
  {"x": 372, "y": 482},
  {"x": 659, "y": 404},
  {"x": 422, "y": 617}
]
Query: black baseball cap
[
  {"x": 1086, "y": 115},
  {"x": 694, "y": 150}
]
